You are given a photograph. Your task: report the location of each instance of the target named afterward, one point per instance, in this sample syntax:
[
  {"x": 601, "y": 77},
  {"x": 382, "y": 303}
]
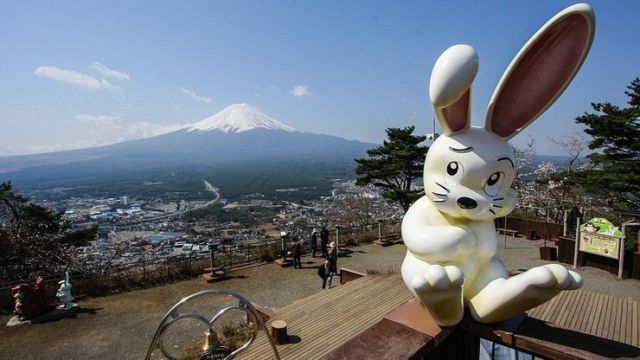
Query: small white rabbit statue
[
  {"x": 450, "y": 236},
  {"x": 64, "y": 293}
]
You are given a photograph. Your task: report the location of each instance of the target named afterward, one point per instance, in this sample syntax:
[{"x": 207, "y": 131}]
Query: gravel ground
[{"x": 121, "y": 326}]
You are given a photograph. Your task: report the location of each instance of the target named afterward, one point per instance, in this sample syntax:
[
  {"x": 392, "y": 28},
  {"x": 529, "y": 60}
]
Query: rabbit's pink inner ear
[
  {"x": 457, "y": 115},
  {"x": 541, "y": 75}
]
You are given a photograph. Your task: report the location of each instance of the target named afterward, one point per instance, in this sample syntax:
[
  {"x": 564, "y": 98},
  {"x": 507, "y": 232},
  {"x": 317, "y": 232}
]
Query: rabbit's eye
[
  {"x": 492, "y": 187},
  {"x": 452, "y": 168},
  {"x": 493, "y": 179},
  {"x": 454, "y": 173}
]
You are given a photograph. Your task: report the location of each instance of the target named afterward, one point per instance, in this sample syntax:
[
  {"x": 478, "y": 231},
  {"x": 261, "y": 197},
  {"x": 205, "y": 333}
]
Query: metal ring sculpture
[{"x": 173, "y": 316}]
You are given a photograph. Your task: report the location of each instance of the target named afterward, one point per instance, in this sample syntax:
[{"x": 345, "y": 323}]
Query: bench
[
  {"x": 286, "y": 262},
  {"x": 347, "y": 275},
  {"x": 213, "y": 274},
  {"x": 510, "y": 232}
]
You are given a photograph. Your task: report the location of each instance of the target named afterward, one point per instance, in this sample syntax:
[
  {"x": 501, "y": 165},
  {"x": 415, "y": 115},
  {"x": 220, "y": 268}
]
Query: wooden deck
[
  {"x": 320, "y": 323},
  {"x": 591, "y": 313},
  {"x": 329, "y": 320}
]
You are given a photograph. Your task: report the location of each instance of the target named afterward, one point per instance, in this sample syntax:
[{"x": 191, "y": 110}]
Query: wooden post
[
  {"x": 622, "y": 244},
  {"x": 505, "y": 233},
  {"x": 621, "y": 260},
  {"x": 575, "y": 251},
  {"x": 279, "y": 332}
]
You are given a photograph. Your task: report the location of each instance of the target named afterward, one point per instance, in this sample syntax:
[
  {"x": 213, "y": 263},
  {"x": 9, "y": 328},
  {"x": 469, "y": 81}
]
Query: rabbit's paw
[
  {"x": 440, "y": 290},
  {"x": 553, "y": 277}
]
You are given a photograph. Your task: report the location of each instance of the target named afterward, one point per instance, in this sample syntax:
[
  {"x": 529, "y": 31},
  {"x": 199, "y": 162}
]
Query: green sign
[
  {"x": 599, "y": 236},
  {"x": 601, "y": 226}
]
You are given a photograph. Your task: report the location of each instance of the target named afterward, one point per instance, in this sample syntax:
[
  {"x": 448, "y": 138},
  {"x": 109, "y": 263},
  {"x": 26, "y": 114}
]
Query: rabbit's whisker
[
  {"x": 498, "y": 199},
  {"x": 438, "y": 200},
  {"x": 497, "y": 206},
  {"x": 442, "y": 186},
  {"x": 493, "y": 212},
  {"x": 435, "y": 193}
]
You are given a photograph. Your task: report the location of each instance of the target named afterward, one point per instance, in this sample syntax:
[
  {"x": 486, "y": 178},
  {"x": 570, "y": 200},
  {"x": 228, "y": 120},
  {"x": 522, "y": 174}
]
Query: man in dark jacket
[
  {"x": 324, "y": 240},
  {"x": 324, "y": 271},
  {"x": 297, "y": 253},
  {"x": 314, "y": 242},
  {"x": 330, "y": 266}
]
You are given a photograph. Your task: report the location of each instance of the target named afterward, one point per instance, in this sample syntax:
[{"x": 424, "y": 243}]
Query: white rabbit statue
[{"x": 450, "y": 236}]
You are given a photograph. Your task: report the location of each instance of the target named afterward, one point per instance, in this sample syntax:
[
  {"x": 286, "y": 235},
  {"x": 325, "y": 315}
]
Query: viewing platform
[{"x": 377, "y": 317}]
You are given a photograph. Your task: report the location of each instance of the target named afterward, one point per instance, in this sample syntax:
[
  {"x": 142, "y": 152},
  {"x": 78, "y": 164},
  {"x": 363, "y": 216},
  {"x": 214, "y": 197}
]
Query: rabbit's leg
[
  {"x": 438, "y": 287},
  {"x": 503, "y": 298}
]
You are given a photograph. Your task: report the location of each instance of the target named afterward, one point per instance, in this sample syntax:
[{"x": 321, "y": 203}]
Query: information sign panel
[{"x": 599, "y": 236}]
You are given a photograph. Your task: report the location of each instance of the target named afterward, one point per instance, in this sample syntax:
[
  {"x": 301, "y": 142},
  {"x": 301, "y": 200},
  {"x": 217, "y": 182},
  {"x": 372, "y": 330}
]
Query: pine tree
[
  {"x": 394, "y": 165},
  {"x": 34, "y": 240},
  {"x": 615, "y": 133}
]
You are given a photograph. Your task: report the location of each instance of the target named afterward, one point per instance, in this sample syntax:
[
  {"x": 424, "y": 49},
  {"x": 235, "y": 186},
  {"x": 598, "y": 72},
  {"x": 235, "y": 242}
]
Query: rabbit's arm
[{"x": 428, "y": 235}]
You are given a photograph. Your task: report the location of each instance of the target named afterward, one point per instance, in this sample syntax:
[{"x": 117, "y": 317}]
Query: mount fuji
[
  {"x": 238, "y": 118},
  {"x": 239, "y": 149}
]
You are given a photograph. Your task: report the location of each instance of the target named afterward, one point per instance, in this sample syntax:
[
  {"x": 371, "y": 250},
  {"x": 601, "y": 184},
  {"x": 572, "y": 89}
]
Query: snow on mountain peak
[{"x": 238, "y": 118}]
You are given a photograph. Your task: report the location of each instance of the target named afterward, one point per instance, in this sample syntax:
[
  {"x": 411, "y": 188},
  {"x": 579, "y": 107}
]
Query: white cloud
[
  {"x": 86, "y": 82},
  {"x": 194, "y": 96},
  {"x": 112, "y": 128},
  {"x": 145, "y": 129},
  {"x": 300, "y": 91},
  {"x": 105, "y": 71}
]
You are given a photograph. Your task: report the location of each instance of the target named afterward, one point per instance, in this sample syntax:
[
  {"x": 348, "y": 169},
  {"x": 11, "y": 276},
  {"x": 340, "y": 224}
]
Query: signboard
[{"x": 599, "y": 236}]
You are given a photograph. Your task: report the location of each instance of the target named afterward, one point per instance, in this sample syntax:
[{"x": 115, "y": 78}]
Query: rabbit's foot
[
  {"x": 504, "y": 298},
  {"x": 554, "y": 277},
  {"x": 440, "y": 290}
]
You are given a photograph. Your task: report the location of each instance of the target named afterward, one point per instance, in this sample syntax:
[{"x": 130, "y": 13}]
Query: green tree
[
  {"x": 615, "y": 133},
  {"x": 394, "y": 165},
  {"x": 34, "y": 240}
]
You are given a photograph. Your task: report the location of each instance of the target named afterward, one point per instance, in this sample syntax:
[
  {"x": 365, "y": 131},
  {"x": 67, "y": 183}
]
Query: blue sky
[{"x": 80, "y": 73}]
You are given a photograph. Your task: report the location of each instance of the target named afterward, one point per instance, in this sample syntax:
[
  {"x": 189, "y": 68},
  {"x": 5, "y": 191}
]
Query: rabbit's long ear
[
  {"x": 450, "y": 87},
  {"x": 541, "y": 71}
]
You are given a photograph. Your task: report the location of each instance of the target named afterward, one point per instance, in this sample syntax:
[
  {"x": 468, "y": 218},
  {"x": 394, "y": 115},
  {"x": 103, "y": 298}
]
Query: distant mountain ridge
[{"x": 239, "y": 137}]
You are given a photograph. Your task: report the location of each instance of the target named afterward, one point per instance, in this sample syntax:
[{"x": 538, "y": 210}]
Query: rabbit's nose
[{"x": 467, "y": 203}]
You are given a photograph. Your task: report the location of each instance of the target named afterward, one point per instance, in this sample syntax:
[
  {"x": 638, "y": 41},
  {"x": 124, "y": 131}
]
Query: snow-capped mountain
[{"x": 237, "y": 118}]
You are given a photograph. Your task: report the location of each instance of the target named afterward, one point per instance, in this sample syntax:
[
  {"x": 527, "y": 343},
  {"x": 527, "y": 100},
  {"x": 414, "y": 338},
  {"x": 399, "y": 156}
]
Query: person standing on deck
[
  {"x": 324, "y": 273},
  {"x": 332, "y": 260},
  {"x": 324, "y": 240}
]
